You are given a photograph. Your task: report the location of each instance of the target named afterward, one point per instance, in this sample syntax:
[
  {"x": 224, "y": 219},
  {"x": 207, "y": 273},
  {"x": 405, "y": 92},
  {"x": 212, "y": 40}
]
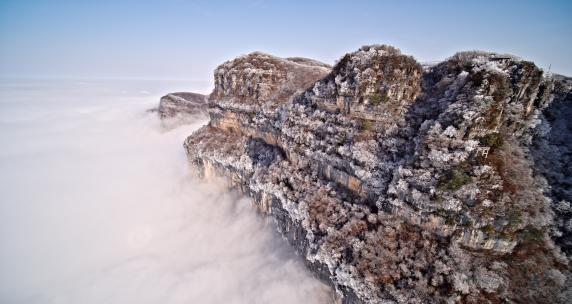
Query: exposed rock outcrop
[
  {"x": 182, "y": 105},
  {"x": 399, "y": 183},
  {"x": 258, "y": 78}
]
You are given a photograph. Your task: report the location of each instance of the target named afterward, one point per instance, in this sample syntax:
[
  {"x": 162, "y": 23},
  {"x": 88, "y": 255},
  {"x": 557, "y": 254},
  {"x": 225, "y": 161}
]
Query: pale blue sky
[{"x": 188, "y": 39}]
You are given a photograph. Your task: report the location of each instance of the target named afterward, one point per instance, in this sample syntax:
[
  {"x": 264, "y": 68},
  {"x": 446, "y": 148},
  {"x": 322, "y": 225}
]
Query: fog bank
[{"x": 97, "y": 205}]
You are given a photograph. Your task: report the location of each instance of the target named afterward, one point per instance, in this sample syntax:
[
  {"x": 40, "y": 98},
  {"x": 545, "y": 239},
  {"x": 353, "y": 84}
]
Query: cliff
[
  {"x": 400, "y": 183},
  {"x": 182, "y": 104}
]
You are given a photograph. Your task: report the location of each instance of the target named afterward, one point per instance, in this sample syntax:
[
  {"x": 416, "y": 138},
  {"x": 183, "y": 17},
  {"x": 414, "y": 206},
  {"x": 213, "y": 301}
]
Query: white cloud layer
[{"x": 98, "y": 206}]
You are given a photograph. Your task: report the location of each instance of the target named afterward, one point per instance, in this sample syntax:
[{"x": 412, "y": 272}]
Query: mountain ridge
[{"x": 399, "y": 183}]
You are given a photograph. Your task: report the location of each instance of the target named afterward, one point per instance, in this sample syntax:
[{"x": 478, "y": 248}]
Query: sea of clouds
[{"x": 98, "y": 205}]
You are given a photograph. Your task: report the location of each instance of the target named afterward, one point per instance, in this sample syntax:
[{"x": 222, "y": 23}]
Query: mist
[{"x": 98, "y": 205}]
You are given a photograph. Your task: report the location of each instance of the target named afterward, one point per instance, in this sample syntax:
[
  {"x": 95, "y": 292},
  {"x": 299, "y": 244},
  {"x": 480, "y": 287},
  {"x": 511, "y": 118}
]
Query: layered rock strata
[{"x": 182, "y": 105}]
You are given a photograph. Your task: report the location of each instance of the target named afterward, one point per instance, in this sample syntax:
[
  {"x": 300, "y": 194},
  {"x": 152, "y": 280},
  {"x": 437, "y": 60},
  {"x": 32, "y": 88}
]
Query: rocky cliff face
[
  {"x": 182, "y": 105},
  {"x": 399, "y": 183},
  {"x": 259, "y": 78}
]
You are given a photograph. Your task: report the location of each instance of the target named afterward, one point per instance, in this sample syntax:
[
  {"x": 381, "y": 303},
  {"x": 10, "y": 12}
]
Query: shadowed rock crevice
[
  {"x": 551, "y": 150},
  {"x": 263, "y": 154}
]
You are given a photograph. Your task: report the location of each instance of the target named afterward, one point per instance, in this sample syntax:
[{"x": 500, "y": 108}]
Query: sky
[{"x": 183, "y": 39}]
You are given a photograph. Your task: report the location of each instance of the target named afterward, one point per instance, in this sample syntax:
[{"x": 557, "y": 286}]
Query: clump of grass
[
  {"x": 477, "y": 78},
  {"x": 532, "y": 234},
  {"x": 500, "y": 94},
  {"x": 467, "y": 223},
  {"x": 514, "y": 219},
  {"x": 454, "y": 180},
  {"x": 377, "y": 99},
  {"x": 450, "y": 220},
  {"x": 366, "y": 125},
  {"x": 489, "y": 229},
  {"x": 493, "y": 140}
]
